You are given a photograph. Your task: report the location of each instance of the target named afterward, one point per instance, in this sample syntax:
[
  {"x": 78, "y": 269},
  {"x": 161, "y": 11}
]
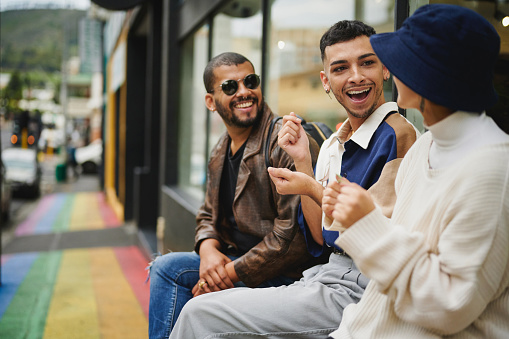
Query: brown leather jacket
[{"x": 258, "y": 210}]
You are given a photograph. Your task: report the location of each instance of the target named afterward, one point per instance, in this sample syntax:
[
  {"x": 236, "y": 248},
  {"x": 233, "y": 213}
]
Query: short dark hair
[
  {"x": 342, "y": 31},
  {"x": 223, "y": 59}
]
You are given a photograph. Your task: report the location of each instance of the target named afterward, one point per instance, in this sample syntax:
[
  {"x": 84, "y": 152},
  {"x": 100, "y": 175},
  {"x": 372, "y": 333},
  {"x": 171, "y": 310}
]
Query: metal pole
[
  {"x": 63, "y": 93},
  {"x": 401, "y": 12}
]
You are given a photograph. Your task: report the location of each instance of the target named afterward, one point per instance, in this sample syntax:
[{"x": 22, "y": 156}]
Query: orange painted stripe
[
  {"x": 93, "y": 298},
  {"x": 120, "y": 314},
  {"x": 134, "y": 265}
]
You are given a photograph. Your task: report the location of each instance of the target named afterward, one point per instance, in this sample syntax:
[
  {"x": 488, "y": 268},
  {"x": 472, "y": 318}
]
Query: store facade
[{"x": 158, "y": 131}]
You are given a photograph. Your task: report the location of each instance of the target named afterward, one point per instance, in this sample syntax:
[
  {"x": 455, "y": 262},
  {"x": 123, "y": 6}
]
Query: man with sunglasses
[{"x": 247, "y": 234}]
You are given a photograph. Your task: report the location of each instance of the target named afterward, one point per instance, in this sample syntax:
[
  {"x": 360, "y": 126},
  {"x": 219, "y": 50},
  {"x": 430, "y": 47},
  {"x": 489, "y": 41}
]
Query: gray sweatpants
[{"x": 309, "y": 308}]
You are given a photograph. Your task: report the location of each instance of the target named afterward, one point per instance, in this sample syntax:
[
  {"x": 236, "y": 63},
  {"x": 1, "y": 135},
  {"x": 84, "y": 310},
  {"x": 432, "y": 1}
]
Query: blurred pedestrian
[{"x": 72, "y": 144}]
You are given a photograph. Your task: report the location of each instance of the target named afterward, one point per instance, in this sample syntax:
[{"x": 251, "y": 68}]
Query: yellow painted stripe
[
  {"x": 120, "y": 314},
  {"x": 86, "y": 213},
  {"x": 73, "y": 308}
]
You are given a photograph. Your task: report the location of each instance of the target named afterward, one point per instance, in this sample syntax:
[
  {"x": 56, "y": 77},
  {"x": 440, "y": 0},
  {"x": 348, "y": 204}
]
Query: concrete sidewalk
[{"x": 71, "y": 269}]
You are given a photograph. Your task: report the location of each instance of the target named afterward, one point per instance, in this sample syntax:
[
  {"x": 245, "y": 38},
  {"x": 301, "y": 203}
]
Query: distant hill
[{"x": 32, "y": 39}]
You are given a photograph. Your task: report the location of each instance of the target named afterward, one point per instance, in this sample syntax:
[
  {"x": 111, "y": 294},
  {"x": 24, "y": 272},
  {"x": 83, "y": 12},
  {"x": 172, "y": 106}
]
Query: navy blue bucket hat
[{"x": 446, "y": 54}]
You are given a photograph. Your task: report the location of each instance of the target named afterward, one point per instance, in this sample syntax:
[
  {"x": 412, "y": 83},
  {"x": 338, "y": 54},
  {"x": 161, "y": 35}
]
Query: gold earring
[{"x": 328, "y": 93}]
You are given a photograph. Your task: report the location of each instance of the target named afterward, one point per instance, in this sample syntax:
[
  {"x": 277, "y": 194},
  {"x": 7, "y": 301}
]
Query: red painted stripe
[
  {"x": 107, "y": 213},
  {"x": 133, "y": 264}
]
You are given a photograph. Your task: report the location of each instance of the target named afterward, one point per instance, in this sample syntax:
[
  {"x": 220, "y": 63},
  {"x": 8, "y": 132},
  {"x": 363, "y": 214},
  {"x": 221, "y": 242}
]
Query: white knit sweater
[{"x": 440, "y": 266}]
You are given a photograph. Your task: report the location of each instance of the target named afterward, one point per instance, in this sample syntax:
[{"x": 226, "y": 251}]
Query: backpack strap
[
  {"x": 267, "y": 142},
  {"x": 318, "y": 130}
]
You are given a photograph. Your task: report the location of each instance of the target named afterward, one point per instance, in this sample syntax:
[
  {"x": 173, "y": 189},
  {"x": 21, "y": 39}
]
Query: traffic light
[{"x": 21, "y": 133}]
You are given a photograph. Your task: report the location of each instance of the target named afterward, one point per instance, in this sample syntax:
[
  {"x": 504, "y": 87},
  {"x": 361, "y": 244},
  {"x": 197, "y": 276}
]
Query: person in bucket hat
[{"x": 440, "y": 266}]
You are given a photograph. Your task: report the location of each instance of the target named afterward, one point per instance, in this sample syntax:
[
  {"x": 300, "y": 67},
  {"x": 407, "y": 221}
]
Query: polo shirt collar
[{"x": 364, "y": 134}]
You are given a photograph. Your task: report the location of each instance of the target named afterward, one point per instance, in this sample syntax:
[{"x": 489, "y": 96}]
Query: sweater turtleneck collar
[
  {"x": 460, "y": 133},
  {"x": 454, "y": 129}
]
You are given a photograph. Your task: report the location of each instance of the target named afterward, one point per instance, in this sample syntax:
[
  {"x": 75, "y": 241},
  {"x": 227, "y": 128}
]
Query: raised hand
[
  {"x": 288, "y": 182},
  {"x": 350, "y": 202},
  {"x": 330, "y": 195},
  {"x": 293, "y": 140}
]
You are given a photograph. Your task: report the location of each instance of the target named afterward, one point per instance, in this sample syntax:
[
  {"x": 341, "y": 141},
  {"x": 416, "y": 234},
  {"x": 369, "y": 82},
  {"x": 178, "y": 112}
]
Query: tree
[
  {"x": 13, "y": 93},
  {"x": 14, "y": 89}
]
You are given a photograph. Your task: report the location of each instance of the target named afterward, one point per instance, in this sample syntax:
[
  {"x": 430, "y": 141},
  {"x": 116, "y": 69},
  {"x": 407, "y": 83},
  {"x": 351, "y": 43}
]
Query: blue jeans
[{"x": 172, "y": 277}]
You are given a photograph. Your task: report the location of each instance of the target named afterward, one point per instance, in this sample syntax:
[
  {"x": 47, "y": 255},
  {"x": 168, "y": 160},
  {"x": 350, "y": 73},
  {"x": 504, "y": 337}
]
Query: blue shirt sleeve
[{"x": 313, "y": 247}]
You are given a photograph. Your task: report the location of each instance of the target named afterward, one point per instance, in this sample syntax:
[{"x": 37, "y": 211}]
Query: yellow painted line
[
  {"x": 86, "y": 213},
  {"x": 73, "y": 309},
  {"x": 120, "y": 313}
]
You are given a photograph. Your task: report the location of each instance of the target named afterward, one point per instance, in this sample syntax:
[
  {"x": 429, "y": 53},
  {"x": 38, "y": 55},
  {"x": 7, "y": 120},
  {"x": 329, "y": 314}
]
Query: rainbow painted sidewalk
[{"x": 73, "y": 271}]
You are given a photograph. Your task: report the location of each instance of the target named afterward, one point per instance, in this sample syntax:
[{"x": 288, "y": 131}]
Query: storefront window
[
  {"x": 500, "y": 20},
  {"x": 294, "y": 47},
  {"x": 193, "y": 113},
  {"x": 236, "y": 29}
]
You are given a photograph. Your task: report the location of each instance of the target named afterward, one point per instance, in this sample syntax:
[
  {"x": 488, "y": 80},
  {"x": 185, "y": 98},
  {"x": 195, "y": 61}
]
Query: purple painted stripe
[
  {"x": 14, "y": 272},
  {"x": 4, "y": 258},
  {"x": 28, "y": 225}
]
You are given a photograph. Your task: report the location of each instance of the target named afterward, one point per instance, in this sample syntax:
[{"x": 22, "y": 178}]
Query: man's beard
[
  {"x": 232, "y": 120},
  {"x": 366, "y": 113}
]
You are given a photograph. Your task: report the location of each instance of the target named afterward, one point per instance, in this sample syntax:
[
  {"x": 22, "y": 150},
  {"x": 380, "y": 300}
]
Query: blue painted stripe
[
  {"x": 46, "y": 223},
  {"x": 14, "y": 272}
]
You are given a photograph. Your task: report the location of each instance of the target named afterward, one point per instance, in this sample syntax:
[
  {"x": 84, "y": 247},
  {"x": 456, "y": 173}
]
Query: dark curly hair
[{"x": 342, "y": 31}]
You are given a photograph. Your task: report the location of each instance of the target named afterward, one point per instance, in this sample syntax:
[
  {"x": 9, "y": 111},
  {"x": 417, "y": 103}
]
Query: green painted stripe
[
  {"x": 26, "y": 315},
  {"x": 63, "y": 220}
]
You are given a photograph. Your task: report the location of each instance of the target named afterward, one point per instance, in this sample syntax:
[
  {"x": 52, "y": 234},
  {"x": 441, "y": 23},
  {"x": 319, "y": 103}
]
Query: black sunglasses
[{"x": 230, "y": 87}]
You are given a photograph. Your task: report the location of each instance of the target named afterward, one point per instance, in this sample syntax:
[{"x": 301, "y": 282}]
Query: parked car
[
  {"x": 89, "y": 157},
  {"x": 23, "y": 171},
  {"x": 6, "y": 195}
]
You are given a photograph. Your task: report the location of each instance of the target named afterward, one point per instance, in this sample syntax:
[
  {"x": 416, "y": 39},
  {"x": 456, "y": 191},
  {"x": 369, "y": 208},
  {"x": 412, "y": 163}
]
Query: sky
[{"x": 16, "y": 4}]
